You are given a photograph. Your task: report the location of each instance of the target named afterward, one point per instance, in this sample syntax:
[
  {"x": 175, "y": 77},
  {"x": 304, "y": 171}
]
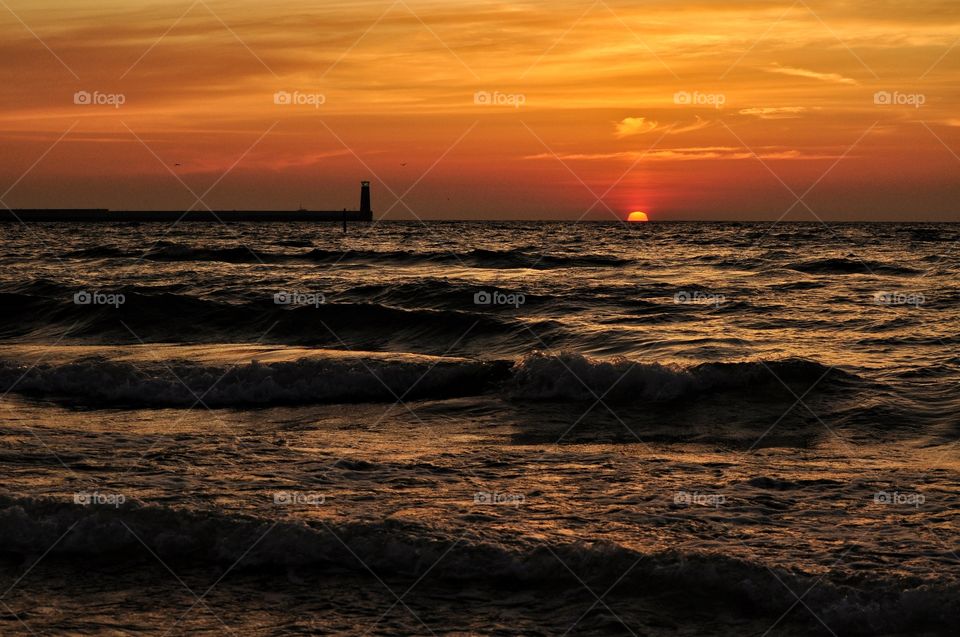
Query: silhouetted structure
[
  {"x": 365, "y": 200},
  {"x": 102, "y": 215}
]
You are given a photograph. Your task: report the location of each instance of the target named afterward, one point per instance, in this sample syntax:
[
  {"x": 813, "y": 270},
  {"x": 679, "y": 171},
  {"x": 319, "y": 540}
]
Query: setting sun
[{"x": 638, "y": 217}]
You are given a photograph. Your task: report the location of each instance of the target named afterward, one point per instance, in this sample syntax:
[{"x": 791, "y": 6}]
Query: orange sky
[{"x": 687, "y": 109}]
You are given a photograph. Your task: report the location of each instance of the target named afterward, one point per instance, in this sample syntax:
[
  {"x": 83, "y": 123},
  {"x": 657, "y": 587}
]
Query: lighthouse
[{"x": 366, "y": 213}]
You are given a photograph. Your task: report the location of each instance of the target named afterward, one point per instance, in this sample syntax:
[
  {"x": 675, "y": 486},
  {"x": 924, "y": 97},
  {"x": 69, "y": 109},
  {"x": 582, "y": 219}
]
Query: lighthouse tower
[{"x": 366, "y": 213}]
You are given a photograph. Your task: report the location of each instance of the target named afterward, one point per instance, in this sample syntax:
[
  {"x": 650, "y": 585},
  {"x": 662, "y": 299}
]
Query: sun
[{"x": 638, "y": 217}]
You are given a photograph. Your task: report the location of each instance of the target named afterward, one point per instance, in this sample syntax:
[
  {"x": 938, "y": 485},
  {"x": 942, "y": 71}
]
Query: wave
[
  {"x": 174, "y": 314},
  {"x": 516, "y": 259},
  {"x": 233, "y": 254},
  {"x": 347, "y": 378},
  {"x": 99, "y": 252},
  {"x": 177, "y": 383},
  {"x": 575, "y": 377},
  {"x": 851, "y": 265},
  {"x": 934, "y": 234},
  {"x": 167, "y": 251},
  {"x": 476, "y": 258},
  {"x": 394, "y": 548}
]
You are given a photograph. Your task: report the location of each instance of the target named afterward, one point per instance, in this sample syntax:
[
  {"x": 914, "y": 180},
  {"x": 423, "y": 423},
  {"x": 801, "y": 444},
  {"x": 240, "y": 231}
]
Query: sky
[{"x": 805, "y": 111}]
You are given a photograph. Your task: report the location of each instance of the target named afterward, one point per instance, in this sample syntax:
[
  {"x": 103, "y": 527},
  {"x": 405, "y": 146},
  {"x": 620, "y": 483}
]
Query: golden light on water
[{"x": 638, "y": 217}]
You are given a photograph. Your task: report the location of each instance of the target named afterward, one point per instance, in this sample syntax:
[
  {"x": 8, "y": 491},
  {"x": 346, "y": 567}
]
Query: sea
[{"x": 480, "y": 428}]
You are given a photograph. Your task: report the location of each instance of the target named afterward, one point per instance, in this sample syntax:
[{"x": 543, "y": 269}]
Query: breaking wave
[{"x": 534, "y": 377}]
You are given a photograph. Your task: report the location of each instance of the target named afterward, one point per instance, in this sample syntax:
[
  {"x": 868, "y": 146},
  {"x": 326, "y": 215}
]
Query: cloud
[
  {"x": 697, "y": 125},
  {"x": 833, "y": 78},
  {"x": 781, "y": 112},
  {"x": 634, "y": 126},
  {"x": 694, "y": 153},
  {"x": 640, "y": 125}
]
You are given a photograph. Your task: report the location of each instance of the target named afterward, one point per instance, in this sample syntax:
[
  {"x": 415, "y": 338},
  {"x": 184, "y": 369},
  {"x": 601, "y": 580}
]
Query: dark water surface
[{"x": 480, "y": 428}]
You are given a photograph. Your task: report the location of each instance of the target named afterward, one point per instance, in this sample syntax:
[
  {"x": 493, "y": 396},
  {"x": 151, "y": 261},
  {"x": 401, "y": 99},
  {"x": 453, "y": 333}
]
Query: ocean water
[{"x": 480, "y": 428}]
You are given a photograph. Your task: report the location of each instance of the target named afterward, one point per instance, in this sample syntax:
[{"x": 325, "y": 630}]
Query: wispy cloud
[
  {"x": 696, "y": 153},
  {"x": 779, "y": 112},
  {"x": 698, "y": 124},
  {"x": 833, "y": 78}
]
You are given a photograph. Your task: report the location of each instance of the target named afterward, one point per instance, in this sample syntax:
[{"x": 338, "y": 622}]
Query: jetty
[{"x": 95, "y": 215}]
